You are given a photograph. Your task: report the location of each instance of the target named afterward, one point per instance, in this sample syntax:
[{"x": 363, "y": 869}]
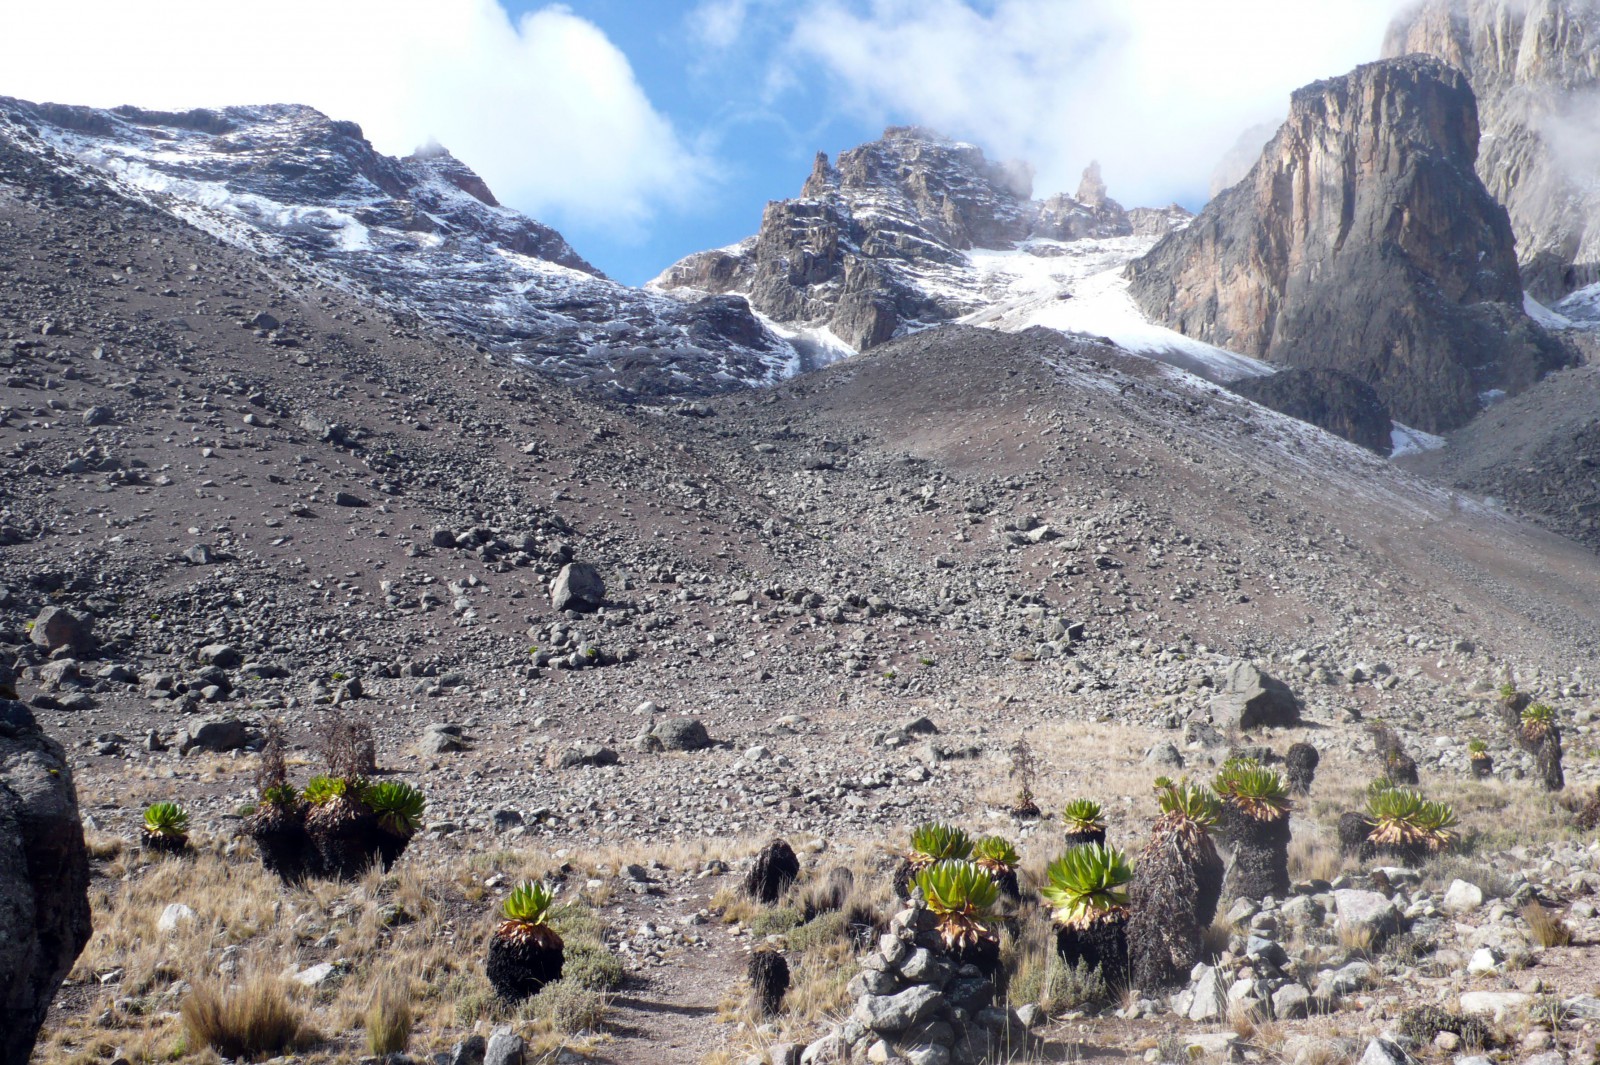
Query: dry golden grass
[
  {"x": 388, "y": 1020},
  {"x": 253, "y": 1019},
  {"x": 1546, "y": 928},
  {"x": 1317, "y": 857}
]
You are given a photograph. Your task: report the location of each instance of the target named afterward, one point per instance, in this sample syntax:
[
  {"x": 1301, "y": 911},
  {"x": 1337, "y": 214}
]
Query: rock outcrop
[
  {"x": 44, "y": 878},
  {"x": 1535, "y": 68},
  {"x": 1363, "y": 241},
  {"x": 1332, "y": 399},
  {"x": 877, "y": 244}
]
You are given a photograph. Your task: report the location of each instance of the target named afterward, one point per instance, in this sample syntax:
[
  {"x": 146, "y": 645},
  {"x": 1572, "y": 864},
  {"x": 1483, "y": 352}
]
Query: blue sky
[
  {"x": 762, "y": 143},
  {"x": 648, "y": 129}
]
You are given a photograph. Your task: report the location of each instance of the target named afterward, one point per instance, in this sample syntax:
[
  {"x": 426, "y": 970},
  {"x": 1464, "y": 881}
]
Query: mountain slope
[{"x": 423, "y": 234}]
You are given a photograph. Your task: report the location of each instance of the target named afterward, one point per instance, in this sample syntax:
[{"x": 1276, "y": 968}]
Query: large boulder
[
  {"x": 44, "y": 878},
  {"x": 217, "y": 735},
  {"x": 676, "y": 734},
  {"x": 1250, "y": 698},
  {"x": 578, "y": 587},
  {"x": 57, "y": 627}
]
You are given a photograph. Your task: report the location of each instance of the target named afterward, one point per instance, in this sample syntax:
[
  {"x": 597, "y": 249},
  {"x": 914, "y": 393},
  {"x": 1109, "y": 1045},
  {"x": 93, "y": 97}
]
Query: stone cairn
[{"x": 915, "y": 1004}]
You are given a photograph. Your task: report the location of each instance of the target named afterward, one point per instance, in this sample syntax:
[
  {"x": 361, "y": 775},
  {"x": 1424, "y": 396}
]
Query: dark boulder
[{"x": 44, "y": 878}]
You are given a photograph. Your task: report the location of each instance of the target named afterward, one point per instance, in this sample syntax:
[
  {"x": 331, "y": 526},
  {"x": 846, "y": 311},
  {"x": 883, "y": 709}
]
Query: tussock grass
[
  {"x": 388, "y": 1020},
  {"x": 251, "y": 1020},
  {"x": 1547, "y": 928}
]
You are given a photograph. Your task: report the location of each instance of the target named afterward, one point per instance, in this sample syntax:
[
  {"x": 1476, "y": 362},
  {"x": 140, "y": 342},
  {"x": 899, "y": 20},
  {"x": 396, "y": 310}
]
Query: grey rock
[
  {"x": 1250, "y": 698},
  {"x": 44, "y": 878},
  {"x": 586, "y": 754},
  {"x": 680, "y": 734},
  {"x": 216, "y": 735},
  {"x": 1497, "y": 1004},
  {"x": 578, "y": 587},
  {"x": 199, "y": 555},
  {"x": 1382, "y": 1052},
  {"x": 1369, "y": 911},
  {"x": 97, "y": 416},
  {"x": 896, "y": 1013},
  {"x": 1346, "y": 980},
  {"x": 347, "y": 499},
  {"x": 469, "y": 1051},
  {"x": 1164, "y": 754},
  {"x": 1462, "y": 897},
  {"x": 505, "y": 1048},
  {"x": 1291, "y": 1002},
  {"x": 1210, "y": 1000},
  {"x": 58, "y": 627},
  {"x": 442, "y": 739},
  {"x": 224, "y": 655}
]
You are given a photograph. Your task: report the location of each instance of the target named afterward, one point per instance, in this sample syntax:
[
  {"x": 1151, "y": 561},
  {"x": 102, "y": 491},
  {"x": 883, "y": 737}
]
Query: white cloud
[
  {"x": 547, "y": 109},
  {"x": 718, "y": 23},
  {"x": 1157, "y": 90}
]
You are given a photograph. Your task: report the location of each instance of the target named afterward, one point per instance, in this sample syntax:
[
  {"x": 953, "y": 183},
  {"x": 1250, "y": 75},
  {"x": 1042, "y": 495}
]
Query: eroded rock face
[
  {"x": 1332, "y": 399},
  {"x": 1362, "y": 241},
  {"x": 44, "y": 878},
  {"x": 1535, "y": 68},
  {"x": 876, "y": 245}
]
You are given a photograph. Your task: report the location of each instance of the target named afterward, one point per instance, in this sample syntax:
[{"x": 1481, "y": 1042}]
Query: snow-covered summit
[{"x": 914, "y": 230}]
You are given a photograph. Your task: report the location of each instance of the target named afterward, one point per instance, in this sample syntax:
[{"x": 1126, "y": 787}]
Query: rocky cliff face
[
  {"x": 1363, "y": 241},
  {"x": 1336, "y": 401},
  {"x": 877, "y": 245},
  {"x": 44, "y": 878},
  {"x": 1535, "y": 67},
  {"x": 422, "y": 234}
]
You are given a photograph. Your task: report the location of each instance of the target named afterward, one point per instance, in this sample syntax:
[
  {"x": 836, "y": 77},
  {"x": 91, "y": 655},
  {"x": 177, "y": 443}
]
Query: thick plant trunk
[
  {"x": 1550, "y": 773},
  {"x": 286, "y": 849},
  {"x": 1103, "y": 945},
  {"x": 775, "y": 868},
  {"x": 1260, "y": 858},
  {"x": 391, "y": 847},
  {"x": 517, "y": 970},
  {"x": 347, "y": 838},
  {"x": 1354, "y": 829},
  {"x": 1083, "y": 839},
  {"x": 1173, "y": 898},
  {"x": 1300, "y": 767},
  {"x": 769, "y": 982},
  {"x": 162, "y": 843}
]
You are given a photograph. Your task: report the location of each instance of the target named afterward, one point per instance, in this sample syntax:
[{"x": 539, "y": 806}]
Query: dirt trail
[{"x": 667, "y": 1013}]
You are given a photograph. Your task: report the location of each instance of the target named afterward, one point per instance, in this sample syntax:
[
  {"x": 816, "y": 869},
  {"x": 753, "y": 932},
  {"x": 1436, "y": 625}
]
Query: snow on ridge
[
  {"x": 404, "y": 234},
  {"x": 1077, "y": 287}
]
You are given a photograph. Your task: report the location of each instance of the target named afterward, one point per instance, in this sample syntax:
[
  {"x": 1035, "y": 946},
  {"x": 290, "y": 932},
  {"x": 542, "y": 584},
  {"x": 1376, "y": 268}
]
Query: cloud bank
[
  {"x": 546, "y": 108},
  {"x": 1157, "y": 90}
]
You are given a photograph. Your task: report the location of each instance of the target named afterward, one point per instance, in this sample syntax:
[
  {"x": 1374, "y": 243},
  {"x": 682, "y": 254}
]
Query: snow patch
[
  {"x": 1078, "y": 287},
  {"x": 1404, "y": 440},
  {"x": 1544, "y": 315}
]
